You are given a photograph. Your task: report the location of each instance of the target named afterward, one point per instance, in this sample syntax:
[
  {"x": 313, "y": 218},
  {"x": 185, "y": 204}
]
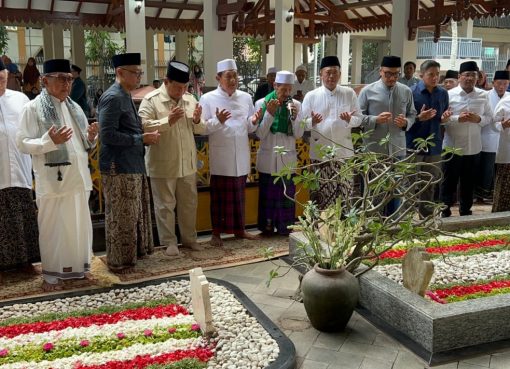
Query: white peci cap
[
  {"x": 272, "y": 70},
  {"x": 301, "y": 67},
  {"x": 226, "y": 64},
  {"x": 285, "y": 77}
]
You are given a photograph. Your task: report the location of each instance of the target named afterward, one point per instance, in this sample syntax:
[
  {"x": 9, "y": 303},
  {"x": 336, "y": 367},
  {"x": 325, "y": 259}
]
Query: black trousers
[
  {"x": 463, "y": 169},
  {"x": 485, "y": 181}
]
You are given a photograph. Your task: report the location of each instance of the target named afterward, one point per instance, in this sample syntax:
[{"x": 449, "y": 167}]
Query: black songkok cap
[
  {"x": 507, "y": 63},
  {"x": 330, "y": 61},
  {"x": 56, "y": 66},
  {"x": 178, "y": 72},
  {"x": 502, "y": 74},
  {"x": 126, "y": 59},
  {"x": 453, "y": 74},
  {"x": 76, "y": 68},
  {"x": 469, "y": 66},
  {"x": 391, "y": 61},
  {"x": 2, "y": 65}
]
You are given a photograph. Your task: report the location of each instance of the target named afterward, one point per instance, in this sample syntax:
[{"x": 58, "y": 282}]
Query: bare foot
[
  {"x": 127, "y": 270},
  {"x": 248, "y": 236},
  {"x": 216, "y": 240},
  {"x": 90, "y": 277},
  {"x": 49, "y": 287},
  {"x": 195, "y": 246},
  {"x": 172, "y": 250}
]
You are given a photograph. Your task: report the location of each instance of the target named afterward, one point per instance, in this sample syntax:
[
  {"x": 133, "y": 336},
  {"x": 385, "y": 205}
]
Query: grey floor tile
[
  {"x": 331, "y": 341},
  {"x": 370, "y": 363},
  {"x": 446, "y": 366},
  {"x": 374, "y": 352},
  {"x": 500, "y": 361},
  {"x": 383, "y": 340},
  {"x": 260, "y": 298},
  {"x": 407, "y": 360},
  {"x": 303, "y": 340},
  {"x": 463, "y": 365},
  {"x": 273, "y": 312},
  {"x": 243, "y": 278},
  {"x": 310, "y": 364},
  {"x": 335, "y": 358},
  {"x": 346, "y": 361},
  {"x": 483, "y": 360}
]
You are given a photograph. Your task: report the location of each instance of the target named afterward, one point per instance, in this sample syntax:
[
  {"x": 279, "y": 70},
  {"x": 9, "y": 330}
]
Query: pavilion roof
[{"x": 312, "y": 18}]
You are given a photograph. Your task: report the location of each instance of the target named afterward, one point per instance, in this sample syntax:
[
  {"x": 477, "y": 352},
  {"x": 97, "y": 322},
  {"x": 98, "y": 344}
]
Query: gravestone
[
  {"x": 417, "y": 270},
  {"x": 201, "y": 301}
]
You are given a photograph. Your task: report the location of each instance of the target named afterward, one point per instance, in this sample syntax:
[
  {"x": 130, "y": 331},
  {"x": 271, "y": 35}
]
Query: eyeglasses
[
  {"x": 469, "y": 74},
  {"x": 138, "y": 73},
  {"x": 391, "y": 74},
  {"x": 62, "y": 78}
]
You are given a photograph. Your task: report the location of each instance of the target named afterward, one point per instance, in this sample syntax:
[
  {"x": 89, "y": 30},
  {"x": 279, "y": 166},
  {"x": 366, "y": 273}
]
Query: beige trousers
[{"x": 166, "y": 194}]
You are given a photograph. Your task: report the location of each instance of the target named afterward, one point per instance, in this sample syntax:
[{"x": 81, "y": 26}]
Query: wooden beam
[
  {"x": 179, "y": 12},
  {"x": 413, "y": 15},
  {"x": 161, "y": 9},
  {"x": 78, "y": 8},
  {"x": 361, "y": 4},
  {"x": 172, "y": 5},
  {"x": 225, "y": 8}
]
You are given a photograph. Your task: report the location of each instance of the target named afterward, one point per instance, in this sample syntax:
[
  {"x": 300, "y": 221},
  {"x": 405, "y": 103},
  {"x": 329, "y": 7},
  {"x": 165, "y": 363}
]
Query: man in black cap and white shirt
[
  {"x": 388, "y": 109},
  {"x": 121, "y": 161},
  {"x": 490, "y": 139},
  {"x": 55, "y": 131},
  {"x": 470, "y": 112},
  {"x": 331, "y": 111},
  {"x": 451, "y": 79},
  {"x": 172, "y": 163}
]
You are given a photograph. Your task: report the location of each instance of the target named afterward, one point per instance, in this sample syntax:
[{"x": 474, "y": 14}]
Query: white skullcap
[
  {"x": 271, "y": 70},
  {"x": 226, "y": 64},
  {"x": 301, "y": 67},
  {"x": 285, "y": 77}
]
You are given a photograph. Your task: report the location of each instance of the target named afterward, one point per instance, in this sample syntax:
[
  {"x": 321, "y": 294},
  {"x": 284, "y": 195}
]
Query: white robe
[
  {"x": 65, "y": 227},
  {"x": 229, "y": 148},
  {"x": 268, "y": 161},
  {"x": 332, "y": 130}
]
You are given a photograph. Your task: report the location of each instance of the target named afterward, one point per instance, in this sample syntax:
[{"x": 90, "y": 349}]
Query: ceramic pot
[{"x": 329, "y": 296}]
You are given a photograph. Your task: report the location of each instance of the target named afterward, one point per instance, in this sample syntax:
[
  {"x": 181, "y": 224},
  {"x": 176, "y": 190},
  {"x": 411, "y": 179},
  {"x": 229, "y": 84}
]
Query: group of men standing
[{"x": 157, "y": 141}]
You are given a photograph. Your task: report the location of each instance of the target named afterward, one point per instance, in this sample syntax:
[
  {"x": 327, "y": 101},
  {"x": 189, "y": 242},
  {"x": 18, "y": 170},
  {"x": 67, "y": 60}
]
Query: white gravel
[
  {"x": 458, "y": 269},
  {"x": 241, "y": 341}
]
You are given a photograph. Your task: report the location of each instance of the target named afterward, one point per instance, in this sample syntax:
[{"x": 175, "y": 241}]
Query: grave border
[
  {"x": 436, "y": 333},
  {"x": 286, "y": 358}
]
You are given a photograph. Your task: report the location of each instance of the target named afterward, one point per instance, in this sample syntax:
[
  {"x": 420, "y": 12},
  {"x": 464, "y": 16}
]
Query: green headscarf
[{"x": 281, "y": 116}]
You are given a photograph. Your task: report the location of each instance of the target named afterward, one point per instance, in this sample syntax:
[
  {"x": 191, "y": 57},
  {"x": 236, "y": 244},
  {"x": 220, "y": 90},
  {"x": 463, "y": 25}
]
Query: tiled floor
[{"x": 361, "y": 346}]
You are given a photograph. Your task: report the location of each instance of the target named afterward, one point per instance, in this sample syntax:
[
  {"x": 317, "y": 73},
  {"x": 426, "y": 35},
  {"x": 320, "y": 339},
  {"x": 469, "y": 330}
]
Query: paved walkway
[{"x": 361, "y": 346}]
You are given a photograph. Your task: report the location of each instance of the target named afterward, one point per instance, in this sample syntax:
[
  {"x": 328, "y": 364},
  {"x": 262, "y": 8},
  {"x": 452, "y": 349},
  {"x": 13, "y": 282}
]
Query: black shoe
[
  {"x": 446, "y": 213},
  {"x": 462, "y": 213}
]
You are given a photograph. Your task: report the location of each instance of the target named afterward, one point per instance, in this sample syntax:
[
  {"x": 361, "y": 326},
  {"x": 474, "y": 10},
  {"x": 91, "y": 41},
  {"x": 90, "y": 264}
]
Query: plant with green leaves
[{"x": 355, "y": 227}]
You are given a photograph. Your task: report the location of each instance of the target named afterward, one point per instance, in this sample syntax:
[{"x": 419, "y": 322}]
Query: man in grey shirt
[{"x": 388, "y": 109}]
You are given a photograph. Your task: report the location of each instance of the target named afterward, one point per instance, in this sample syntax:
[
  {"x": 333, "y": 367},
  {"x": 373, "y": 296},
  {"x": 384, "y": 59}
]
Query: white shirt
[
  {"x": 490, "y": 132},
  {"x": 304, "y": 87},
  {"x": 267, "y": 160},
  {"x": 502, "y": 112},
  {"x": 15, "y": 167},
  {"x": 468, "y": 135},
  {"x": 332, "y": 130},
  {"x": 75, "y": 177},
  {"x": 229, "y": 149}
]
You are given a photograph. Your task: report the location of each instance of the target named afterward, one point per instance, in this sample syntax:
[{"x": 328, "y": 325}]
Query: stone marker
[
  {"x": 417, "y": 270},
  {"x": 201, "y": 301}
]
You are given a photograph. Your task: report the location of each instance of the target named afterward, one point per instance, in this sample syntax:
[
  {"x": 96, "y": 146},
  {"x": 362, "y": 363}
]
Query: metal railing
[{"x": 468, "y": 48}]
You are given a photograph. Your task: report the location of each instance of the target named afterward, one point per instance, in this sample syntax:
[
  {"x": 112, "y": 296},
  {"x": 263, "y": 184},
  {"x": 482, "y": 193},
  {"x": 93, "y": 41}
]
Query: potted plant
[{"x": 356, "y": 228}]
